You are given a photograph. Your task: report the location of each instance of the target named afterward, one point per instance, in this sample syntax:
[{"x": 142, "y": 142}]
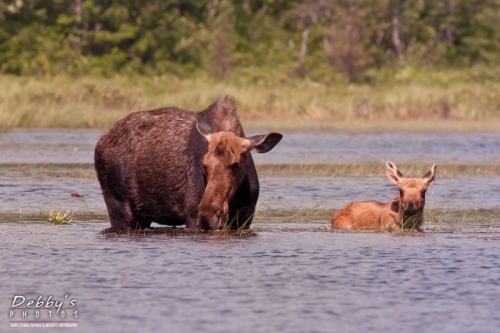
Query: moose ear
[
  {"x": 392, "y": 172},
  {"x": 204, "y": 128},
  {"x": 264, "y": 143},
  {"x": 430, "y": 175}
]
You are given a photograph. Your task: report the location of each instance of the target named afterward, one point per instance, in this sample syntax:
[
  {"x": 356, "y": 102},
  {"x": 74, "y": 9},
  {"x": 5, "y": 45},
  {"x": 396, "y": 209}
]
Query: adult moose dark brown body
[{"x": 174, "y": 167}]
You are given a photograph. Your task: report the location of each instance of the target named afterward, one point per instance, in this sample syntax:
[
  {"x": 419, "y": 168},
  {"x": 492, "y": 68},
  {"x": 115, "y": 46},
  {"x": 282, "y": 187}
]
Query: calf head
[
  {"x": 225, "y": 170},
  {"x": 412, "y": 190}
]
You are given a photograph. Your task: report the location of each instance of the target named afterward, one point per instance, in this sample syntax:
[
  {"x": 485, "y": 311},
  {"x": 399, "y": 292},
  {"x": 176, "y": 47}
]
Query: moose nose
[
  {"x": 203, "y": 222},
  {"x": 411, "y": 206},
  {"x": 210, "y": 220}
]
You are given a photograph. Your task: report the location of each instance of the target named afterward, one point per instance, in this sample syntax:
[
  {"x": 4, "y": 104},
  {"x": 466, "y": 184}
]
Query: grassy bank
[{"x": 90, "y": 102}]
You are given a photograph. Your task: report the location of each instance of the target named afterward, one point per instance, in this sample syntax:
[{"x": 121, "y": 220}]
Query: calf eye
[
  {"x": 401, "y": 193},
  {"x": 235, "y": 166},
  {"x": 423, "y": 193}
]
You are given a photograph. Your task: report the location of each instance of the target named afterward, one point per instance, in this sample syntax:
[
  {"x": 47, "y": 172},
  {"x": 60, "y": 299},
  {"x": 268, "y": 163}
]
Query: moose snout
[
  {"x": 412, "y": 206},
  {"x": 211, "y": 219}
]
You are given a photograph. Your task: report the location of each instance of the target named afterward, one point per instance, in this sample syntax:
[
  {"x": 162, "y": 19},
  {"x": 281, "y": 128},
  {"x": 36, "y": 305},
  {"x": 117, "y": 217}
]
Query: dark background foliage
[{"x": 322, "y": 40}]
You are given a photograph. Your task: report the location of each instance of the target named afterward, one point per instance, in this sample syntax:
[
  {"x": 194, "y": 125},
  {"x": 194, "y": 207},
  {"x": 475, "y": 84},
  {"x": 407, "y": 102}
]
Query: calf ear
[
  {"x": 392, "y": 172},
  {"x": 264, "y": 143},
  {"x": 204, "y": 128},
  {"x": 430, "y": 175}
]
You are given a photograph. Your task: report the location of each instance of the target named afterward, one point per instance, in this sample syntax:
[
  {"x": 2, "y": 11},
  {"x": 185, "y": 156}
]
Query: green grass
[
  {"x": 94, "y": 102},
  {"x": 181, "y": 232},
  {"x": 59, "y": 218},
  {"x": 87, "y": 171},
  {"x": 374, "y": 169},
  {"x": 312, "y": 219},
  {"x": 436, "y": 220},
  {"x": 453, "y": 220}
]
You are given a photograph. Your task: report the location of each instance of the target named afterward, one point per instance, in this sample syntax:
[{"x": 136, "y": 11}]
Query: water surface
[
  {"x": 288, "y": 277},
  {"x": 275, "y": 281},
  {"x": 77, "y": 146}
]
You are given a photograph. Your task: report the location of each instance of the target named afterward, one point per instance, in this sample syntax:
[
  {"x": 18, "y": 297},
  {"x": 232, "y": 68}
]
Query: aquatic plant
[
  {"x": 444, "y": 219},
  {"x": 226, "y": 229},
  {"x": 59, "y": 218},
  {"x": 390, "y": 228}
]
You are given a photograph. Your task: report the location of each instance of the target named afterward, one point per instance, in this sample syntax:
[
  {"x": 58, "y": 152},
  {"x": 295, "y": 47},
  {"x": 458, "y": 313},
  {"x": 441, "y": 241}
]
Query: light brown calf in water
[{"x": 403, "y": 211}]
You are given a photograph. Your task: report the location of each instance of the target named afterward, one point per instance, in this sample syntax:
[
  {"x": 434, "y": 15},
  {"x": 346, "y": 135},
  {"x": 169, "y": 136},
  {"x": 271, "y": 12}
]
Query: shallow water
[
  {"x": 286, "y": 277},
  {"x": 276, "y": 281},
  {"x": 77, "y": 146},
  {"x": 35, "y": 192},
  {"x": 25, "y": 197},
  {"x": 48, "y": 146}
]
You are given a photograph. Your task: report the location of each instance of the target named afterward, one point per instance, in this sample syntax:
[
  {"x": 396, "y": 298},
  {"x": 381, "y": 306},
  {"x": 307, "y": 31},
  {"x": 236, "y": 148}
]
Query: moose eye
[
  {"x": 401, "y": 192},
  {"x": 423, "y": 192}
]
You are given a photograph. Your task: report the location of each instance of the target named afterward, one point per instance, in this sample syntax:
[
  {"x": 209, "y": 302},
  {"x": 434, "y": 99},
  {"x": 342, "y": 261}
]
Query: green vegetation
[
  {"x": 313, "y": 219},
  {"x": 181, "y": 232},
  {"x": 391, "y": 228},
  {"x": 99, "y": 102},
  {"x": 325, "y": 41},
  {"x": 445, "y": 219},
  {"x": 373, "y": 169},
  {"x": 56, "y": 217},
  {"x": 349, "y": 65},
  {"x": 48, "y": 170}
]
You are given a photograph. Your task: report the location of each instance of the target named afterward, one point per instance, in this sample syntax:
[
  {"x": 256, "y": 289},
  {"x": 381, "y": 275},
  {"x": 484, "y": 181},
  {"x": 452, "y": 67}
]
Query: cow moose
[
  {"x": 178, "y": 167},
  {"x": 403, "y": 211}
]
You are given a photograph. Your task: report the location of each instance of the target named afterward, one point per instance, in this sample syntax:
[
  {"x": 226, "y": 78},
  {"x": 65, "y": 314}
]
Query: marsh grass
[
  {"x": 405, "y": 231},
  {"x": 48, "y": 170},
  {"x": 42, "y": 217},
  {"x": 306, "y": 215},
  {"x": 181, "y": 232},
  {"x": 437, "y": 220},
  {"x": 314, "y": 219},
  {"x": 372, "y": 169},
  {"x": 87, "y": 171},
  {"x": 59, "y": 218},
  {"x": 63, "y": 102},
  {"x": 224, "y": 231},
  {"x": 451, "y": 220}
]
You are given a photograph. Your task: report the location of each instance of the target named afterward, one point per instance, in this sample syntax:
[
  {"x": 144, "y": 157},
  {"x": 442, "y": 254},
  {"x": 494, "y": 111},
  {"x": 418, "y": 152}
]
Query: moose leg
[{"x": 120, "y": 213}]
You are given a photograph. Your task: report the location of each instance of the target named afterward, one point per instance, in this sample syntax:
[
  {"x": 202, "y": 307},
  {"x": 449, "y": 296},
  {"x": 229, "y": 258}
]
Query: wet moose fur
[
  {"x": 403, "y": 211},
  {"x": 177, "y": 167}
]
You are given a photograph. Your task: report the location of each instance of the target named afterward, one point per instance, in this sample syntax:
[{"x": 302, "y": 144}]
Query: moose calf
[{"x": 403, "y": 211}]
